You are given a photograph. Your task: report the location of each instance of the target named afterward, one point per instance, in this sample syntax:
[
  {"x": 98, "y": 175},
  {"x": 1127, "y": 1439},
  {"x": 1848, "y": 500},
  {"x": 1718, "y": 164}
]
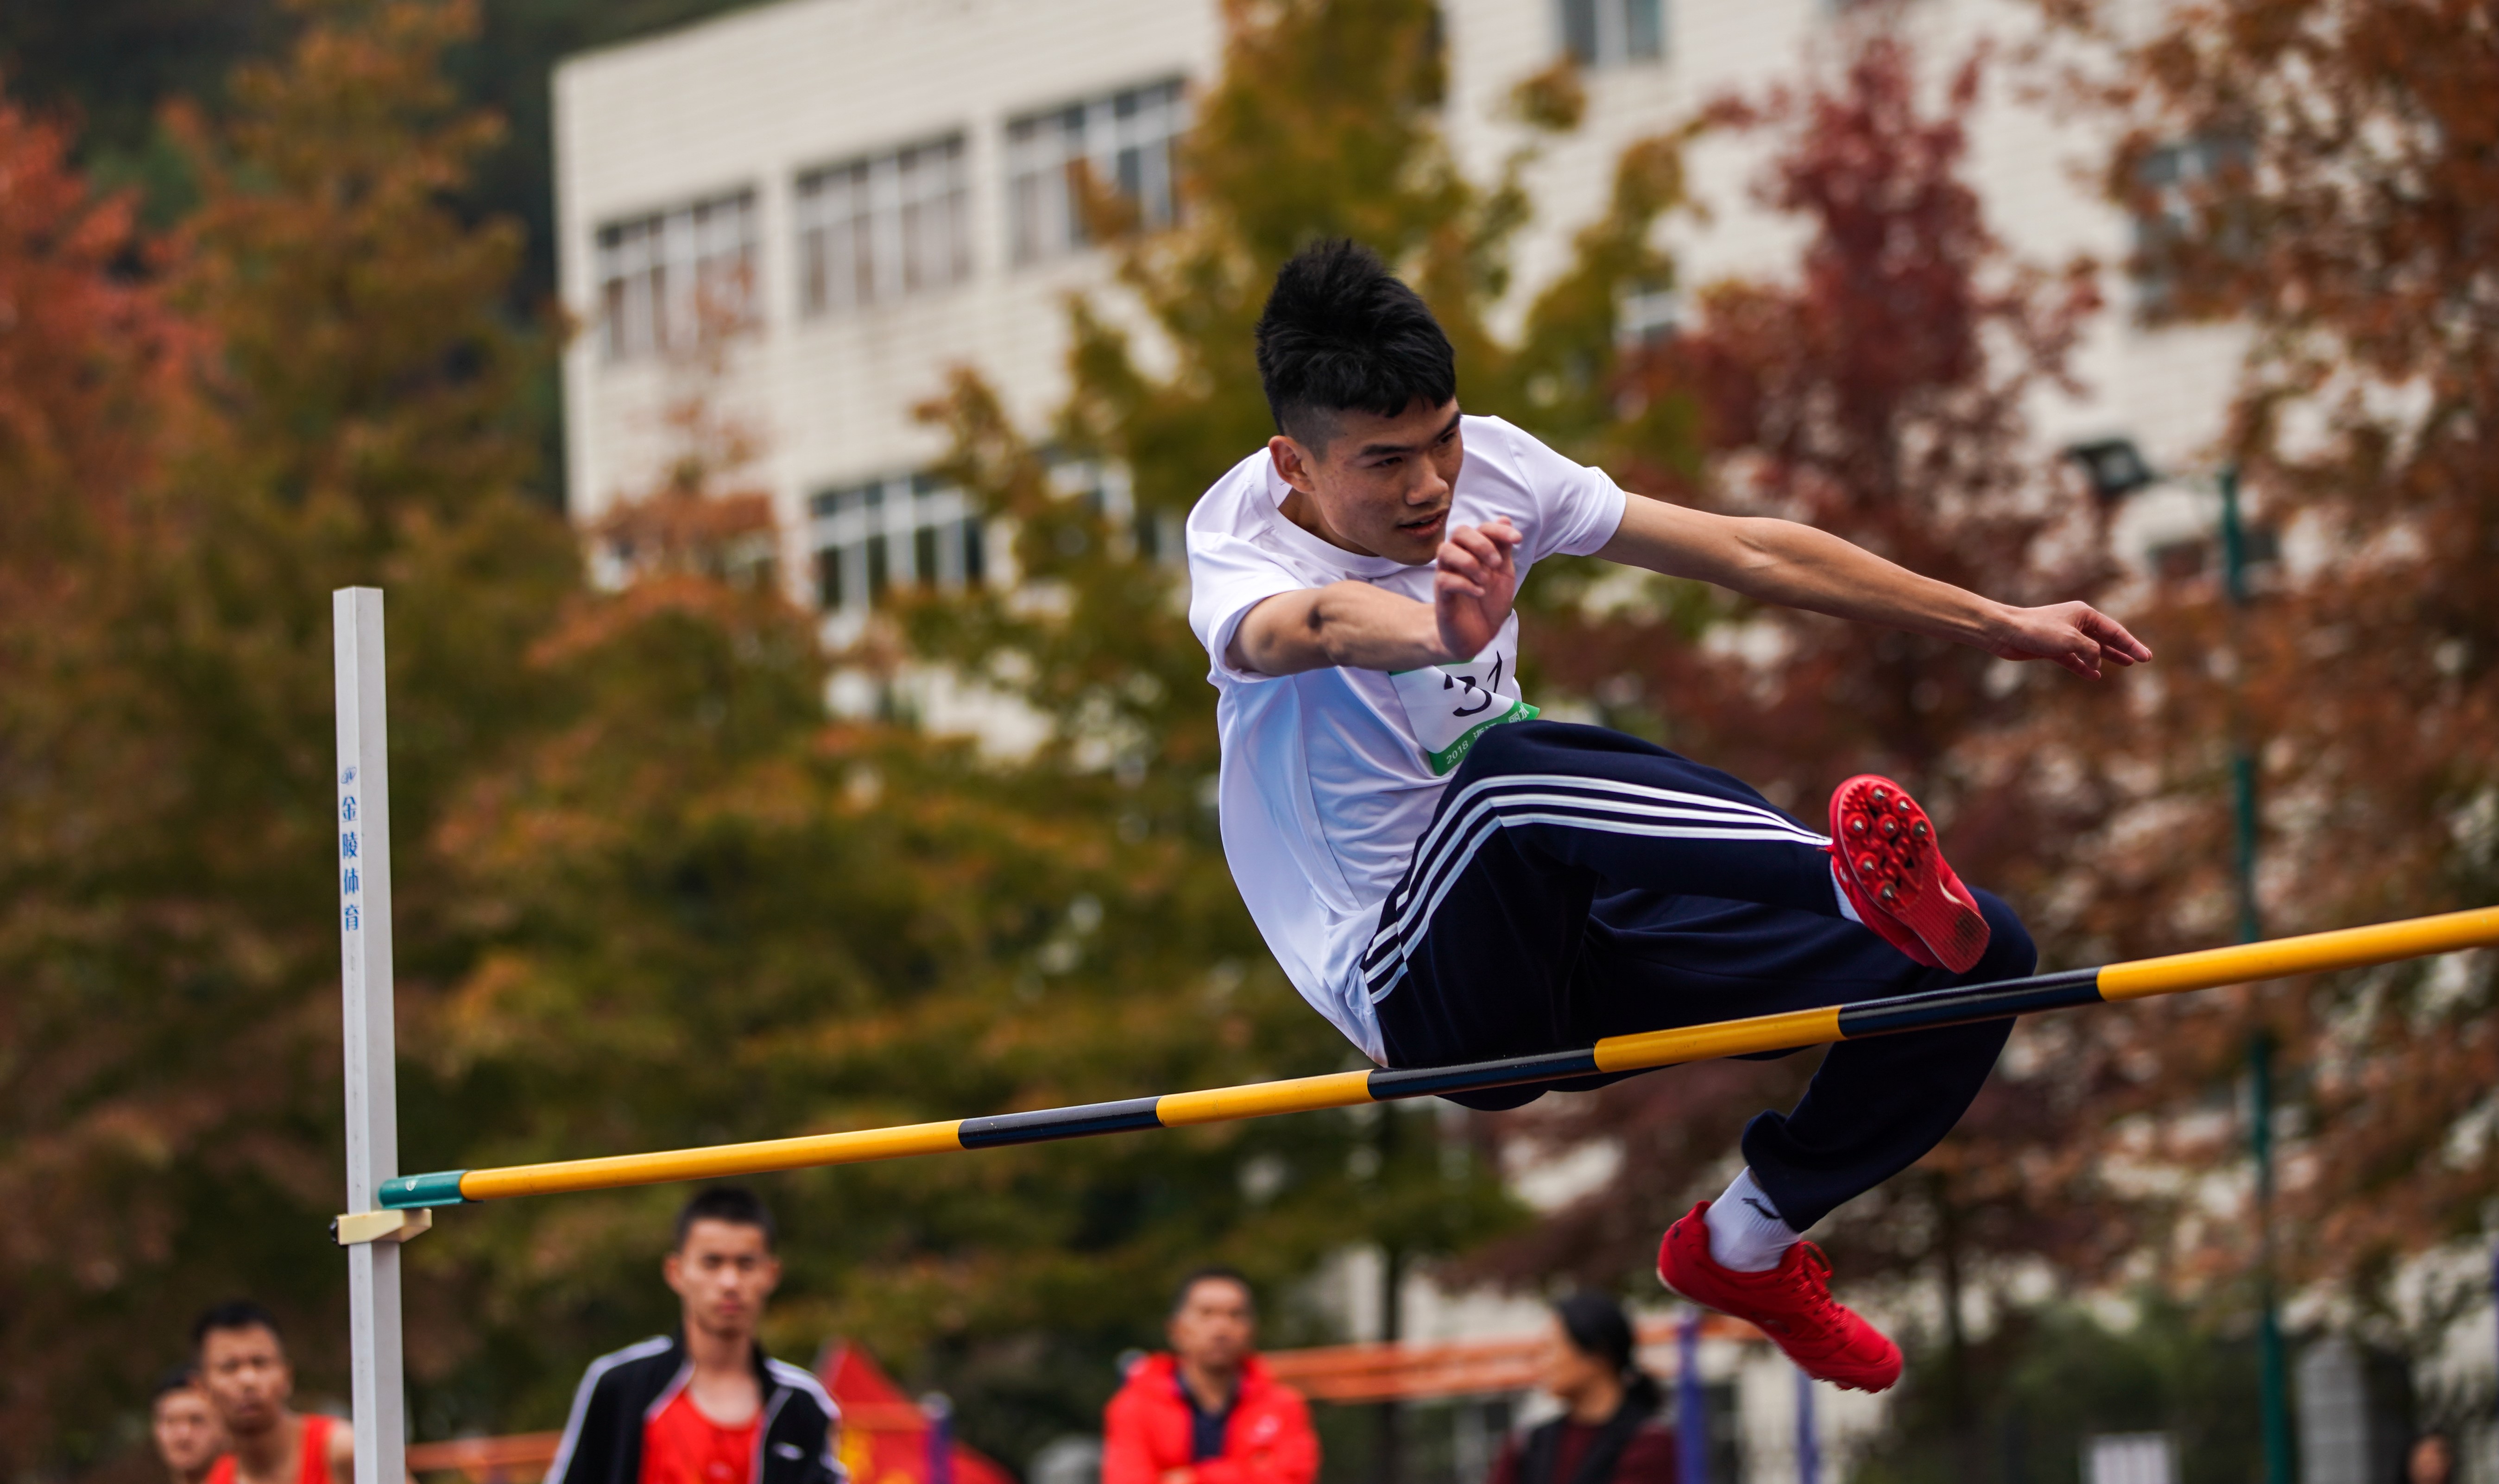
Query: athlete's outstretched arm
[
  {"x": 1781, "y": 562},
  {"x": 1356, "y": 625}
]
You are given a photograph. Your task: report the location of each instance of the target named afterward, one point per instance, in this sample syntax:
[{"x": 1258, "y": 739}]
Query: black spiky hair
[{"x": 1341, "y": 332}]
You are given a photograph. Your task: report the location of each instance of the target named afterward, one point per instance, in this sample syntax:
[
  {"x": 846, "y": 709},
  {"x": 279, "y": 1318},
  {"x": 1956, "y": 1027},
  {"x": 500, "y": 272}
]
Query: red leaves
[
  {"x": 87, "y": 357},
  {"x": 1876, "y": 391}
]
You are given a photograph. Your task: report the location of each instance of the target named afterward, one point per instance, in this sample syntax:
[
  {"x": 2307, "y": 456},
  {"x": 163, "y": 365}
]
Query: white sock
[
  {"x": 1745, "y": 1229},
  {"x": 1845, "y": 910}
]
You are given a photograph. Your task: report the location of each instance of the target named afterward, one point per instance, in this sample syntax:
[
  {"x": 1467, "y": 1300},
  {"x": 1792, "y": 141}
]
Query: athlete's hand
[
  {"x": 2076, "y": 635},
  {"x": 1476, "y": 583}
]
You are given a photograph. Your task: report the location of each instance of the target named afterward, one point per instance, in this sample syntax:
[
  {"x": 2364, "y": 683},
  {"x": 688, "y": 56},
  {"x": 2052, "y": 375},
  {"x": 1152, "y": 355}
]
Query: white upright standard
[{"x": 373, "y": 1088}]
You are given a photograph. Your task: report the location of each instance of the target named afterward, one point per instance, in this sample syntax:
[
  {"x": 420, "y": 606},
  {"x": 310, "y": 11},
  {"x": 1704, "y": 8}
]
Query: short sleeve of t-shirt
[
  {"x": 1227, "y": 577},
  {"x": 1582, "y": 508}
]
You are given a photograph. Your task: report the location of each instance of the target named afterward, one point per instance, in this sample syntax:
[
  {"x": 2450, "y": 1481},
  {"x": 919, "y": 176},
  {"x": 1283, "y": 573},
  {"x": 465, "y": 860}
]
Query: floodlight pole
[
  {"x": 1808, "y": 1445},
  {"x": 1691, "y": 1403},
  {"x": 2273, "y": 1392},
  {"x": 378, "y": 1391}
]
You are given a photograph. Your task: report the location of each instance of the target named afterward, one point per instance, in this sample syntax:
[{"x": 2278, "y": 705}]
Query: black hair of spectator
[
  {"x": 1214, "y": 1273},
  {"x": 175, "y": 1379},
  {"x": 1339, "y": 333},
  {"x": 1597, "y": 1326},
  {"x": 733, "y": 1203},
  {"x": 235, "y": 1314}
]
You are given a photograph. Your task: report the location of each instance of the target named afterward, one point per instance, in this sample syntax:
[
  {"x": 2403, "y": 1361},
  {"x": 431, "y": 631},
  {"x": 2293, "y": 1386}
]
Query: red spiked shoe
[
  {"x": 1791, "y": 1303},
  {"x": 1884, "y": 848}
]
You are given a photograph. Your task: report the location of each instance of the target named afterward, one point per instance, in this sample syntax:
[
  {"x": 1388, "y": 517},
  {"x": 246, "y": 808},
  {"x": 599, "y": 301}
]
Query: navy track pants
[{"x": 1578, "y": 883}]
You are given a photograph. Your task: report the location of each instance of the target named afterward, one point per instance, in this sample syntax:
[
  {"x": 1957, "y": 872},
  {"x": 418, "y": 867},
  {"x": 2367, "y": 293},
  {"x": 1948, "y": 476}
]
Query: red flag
[{"x": 884, "y": 1435}]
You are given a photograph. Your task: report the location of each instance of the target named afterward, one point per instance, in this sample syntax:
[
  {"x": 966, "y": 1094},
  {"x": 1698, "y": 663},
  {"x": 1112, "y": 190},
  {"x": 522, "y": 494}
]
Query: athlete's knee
[{"x": 2010, "y": 952}]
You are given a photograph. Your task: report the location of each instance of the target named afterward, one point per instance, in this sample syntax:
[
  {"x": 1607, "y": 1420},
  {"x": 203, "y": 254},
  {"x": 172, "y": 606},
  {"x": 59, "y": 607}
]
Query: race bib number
[{"x": 1450, "y": 705}]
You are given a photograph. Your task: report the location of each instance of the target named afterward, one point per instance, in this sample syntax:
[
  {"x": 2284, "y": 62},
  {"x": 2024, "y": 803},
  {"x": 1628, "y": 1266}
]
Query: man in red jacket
[{"x": 1208, "y": 1413}]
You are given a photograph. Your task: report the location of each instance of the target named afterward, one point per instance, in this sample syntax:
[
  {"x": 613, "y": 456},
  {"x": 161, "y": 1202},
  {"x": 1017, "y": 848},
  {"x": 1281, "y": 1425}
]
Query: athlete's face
[
  {"x": 246, "y": 1377},
  {"x": 1380, "y": 486},
  {"x": 724, "y": 1273},
  {"x": 188, "y": 1437}
]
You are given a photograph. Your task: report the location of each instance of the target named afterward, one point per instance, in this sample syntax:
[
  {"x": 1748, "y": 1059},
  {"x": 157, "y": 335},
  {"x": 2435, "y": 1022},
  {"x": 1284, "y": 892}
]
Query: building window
[
  {"x": 874, "y": 230},
  {"x": 1609, "y": 33},
  {"x": 664, "y": 277},
  {"x": 1152, "y": 534},
  {"x": 1125, "y": 141},
  {"x": 909, "y": 530},
  {"x": 1647, "y": 313},
  {"x": 2176, "y": 181}
]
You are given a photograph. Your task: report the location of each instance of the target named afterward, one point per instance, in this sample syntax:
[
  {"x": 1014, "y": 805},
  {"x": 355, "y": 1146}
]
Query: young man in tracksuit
[
  {"x": 704, "y": 1405},
  {"x": 1449, "y": 880}
]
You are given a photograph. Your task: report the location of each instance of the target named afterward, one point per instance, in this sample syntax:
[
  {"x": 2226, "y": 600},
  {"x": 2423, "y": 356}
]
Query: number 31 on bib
[{"x": 1450, "y": 705}]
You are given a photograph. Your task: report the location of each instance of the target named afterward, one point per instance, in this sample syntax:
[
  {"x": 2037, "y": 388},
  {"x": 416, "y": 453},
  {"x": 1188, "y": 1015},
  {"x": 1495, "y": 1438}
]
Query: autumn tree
[
  {"x": 2344, "y": 215},
  {"x": 1878, "y": 392},
  {"x": 86, "y": 368},
  {"x": 342, "y": 416},
  {"x": 87, "y": 385}
]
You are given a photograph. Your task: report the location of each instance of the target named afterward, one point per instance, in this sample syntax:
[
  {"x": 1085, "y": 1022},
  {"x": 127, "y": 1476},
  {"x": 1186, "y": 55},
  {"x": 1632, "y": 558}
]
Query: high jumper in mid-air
[{"x": 1448, "y": 878}]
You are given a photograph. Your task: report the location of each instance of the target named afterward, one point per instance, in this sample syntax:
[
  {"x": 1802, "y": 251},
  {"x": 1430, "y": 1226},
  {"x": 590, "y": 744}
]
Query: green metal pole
[
  {"x": 2272, "y": 1378},
  {"x": 2273, "y": 1373}
]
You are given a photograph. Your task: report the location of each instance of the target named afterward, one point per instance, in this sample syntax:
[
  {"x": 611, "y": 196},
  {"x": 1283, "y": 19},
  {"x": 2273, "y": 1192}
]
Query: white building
[{"x": 886, "y": 182}]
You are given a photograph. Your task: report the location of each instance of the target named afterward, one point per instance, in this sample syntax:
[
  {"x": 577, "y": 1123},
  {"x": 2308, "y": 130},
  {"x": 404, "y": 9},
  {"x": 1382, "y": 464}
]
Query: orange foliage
[
  {"x": 2353, "y": 225},
  {"x": 1879, "y": 394},
  {"x": 88, "y": 357}
]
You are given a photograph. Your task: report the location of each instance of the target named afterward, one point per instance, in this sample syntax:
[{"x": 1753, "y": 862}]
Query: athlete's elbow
[
  {"x": 1765, "y": 543},
  {"x": 1326, "y": 637}
]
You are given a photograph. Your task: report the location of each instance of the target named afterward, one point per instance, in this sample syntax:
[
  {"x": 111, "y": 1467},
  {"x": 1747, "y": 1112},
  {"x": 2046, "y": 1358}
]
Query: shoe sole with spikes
[{"x": 1888, "y": 860}]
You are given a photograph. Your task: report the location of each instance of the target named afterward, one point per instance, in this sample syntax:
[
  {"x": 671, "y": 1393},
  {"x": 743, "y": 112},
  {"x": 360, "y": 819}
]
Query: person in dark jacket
[
  {"x": 1608, "y": 1432},
  {"x": 704, "y": 1405}
]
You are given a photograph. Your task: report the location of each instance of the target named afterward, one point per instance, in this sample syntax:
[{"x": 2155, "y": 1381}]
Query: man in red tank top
[{"x": 244, "y": 1370}]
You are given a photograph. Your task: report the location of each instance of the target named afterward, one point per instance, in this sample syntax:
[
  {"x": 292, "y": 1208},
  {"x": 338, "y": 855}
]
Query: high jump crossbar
[
  {"x": 386, "y": 1207},
  {"x": 2211, "y": 968}
]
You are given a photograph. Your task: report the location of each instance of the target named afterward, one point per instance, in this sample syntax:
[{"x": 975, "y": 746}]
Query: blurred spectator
[
  {"x": 706, "y": 1405},
  {"x": 2433, "y": 1460},
  {"x": 244, "y": 1370},
  {"x": 1607, "y": 1433},
  {"x": 1208, "y": 1413},
  {"x": 184, "y": 1427}
]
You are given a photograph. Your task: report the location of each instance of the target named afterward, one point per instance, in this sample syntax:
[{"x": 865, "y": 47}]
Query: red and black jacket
[{"x": 622, "y": 1392}]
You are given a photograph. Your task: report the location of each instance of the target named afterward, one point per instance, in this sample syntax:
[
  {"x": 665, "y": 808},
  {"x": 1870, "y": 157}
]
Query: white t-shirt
[{"x": 1330, "y": 775}]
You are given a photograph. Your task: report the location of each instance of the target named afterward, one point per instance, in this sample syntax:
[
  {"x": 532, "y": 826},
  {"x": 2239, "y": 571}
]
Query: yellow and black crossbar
[{"x": 2349, "y": 947}]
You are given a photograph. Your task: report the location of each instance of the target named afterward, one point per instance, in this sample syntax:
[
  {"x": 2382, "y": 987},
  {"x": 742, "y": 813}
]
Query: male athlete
[
  {"x": 184, "y": 1427},
  {"x": 248, "y": 1382},
  {"x": 706, "y": 1405},
  {"x": 1449, "y": 879}
]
